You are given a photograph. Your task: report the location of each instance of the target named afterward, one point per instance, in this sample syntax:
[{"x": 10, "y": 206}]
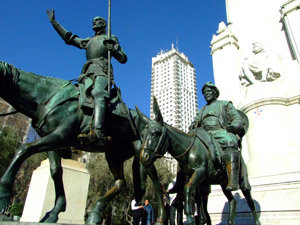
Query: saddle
[
  {"x": 77, "y": 91},
  {"x": 116, "y": 105}
]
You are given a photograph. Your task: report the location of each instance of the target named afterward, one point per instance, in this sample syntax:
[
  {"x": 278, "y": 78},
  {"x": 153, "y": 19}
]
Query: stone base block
[
  {"x": 266, "y": 218},
  {"x": 41, "y": 193},
  {"x": 277, "y": 200}
]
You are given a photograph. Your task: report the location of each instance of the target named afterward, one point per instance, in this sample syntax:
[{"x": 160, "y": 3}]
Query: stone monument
[{"x": 256, "y": 64}]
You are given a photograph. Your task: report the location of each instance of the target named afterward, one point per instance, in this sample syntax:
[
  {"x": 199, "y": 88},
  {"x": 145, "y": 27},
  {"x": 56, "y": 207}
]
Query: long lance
[{"x": 109, "y": 50}]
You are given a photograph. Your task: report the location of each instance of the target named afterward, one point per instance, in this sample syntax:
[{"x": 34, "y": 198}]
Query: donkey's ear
[
  {"x": 157, "y": 113},
  {"x": 144, "y": 118}
]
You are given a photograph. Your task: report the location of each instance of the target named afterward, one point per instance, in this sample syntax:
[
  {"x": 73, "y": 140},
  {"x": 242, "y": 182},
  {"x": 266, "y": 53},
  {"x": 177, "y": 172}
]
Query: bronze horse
[
  {"x": 195, "y": 162},
  {"x": 52, "y": 104}
]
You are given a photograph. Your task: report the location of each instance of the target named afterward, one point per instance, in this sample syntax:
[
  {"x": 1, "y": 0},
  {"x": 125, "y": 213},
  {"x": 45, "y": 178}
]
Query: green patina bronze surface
[{"x": 53, "y": 105}]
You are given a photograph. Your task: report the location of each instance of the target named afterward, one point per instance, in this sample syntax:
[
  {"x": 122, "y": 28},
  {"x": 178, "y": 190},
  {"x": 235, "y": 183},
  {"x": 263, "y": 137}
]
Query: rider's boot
[
  {"x": 97, "y": 135},
  {"x": 232, "y": 161}
]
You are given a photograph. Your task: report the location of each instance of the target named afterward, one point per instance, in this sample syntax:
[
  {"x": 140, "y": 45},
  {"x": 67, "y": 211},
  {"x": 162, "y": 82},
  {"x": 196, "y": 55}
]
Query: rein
[
  {"x": 10, "y": 113},
  {"x": 189, "y": 148},
  {"x": 161, "y": 141}
]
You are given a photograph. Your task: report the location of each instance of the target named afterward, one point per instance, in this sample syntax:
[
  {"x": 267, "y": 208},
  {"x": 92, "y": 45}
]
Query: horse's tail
[{"x": 9, "y": 71}]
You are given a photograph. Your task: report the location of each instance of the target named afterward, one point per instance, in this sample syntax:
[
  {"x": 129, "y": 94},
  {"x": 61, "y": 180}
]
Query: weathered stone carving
[{"x": 259, "y": 67}]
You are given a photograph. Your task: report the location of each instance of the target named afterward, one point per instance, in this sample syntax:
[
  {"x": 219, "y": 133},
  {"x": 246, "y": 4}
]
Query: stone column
[
  {"x": 226, "y": 63},
  {"x": 41, "y": 195}
]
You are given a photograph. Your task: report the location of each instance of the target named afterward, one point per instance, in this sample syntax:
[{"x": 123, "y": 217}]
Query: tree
[
  {"x": 101, "y": 180},
  {"x": 9, "y": 143}
]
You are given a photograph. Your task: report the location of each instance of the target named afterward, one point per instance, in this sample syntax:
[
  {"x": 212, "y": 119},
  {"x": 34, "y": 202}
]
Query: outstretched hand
[{"x": 51, "y": 14}]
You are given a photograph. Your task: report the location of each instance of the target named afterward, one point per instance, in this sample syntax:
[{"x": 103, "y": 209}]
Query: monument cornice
[
  {"x": 223, "y": 39},
  {"x": 271, "y": 101},
  {"x": 290, "y": 6}
]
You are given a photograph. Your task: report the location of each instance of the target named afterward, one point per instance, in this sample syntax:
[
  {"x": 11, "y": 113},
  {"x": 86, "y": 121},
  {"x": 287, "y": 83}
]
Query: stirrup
[{"x": 94, "y": 137}]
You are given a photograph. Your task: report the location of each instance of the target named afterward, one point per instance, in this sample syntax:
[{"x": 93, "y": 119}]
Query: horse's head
[{"x": 154, "y": 137}]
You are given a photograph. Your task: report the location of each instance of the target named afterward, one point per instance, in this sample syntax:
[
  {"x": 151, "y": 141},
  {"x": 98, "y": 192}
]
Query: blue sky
[{"x": 144, "y": 27}]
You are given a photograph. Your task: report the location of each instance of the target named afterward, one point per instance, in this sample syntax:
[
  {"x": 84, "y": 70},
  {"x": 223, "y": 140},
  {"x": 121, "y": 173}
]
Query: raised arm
[{"x": 67, "y": 36}]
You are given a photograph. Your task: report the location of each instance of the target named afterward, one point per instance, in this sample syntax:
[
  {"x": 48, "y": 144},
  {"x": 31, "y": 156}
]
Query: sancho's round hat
[{"x": 211, "y": 85}]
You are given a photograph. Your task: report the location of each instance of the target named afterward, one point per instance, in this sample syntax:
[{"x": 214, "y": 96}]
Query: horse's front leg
[
  {"x": 232, "y": 205},
  {"x": 60, "y": 198},
  {"x": 26, "y": 150},
  {"x": 139, "y": 180},
  {"x": 96, "y": 216},
  {"x": 204, "y": 201},
  {"x": 162, "y": 216},
  {"x": 189, "y": 188}
]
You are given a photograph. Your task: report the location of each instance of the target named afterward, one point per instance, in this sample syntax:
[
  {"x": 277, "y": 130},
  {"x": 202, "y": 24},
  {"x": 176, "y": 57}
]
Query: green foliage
[
  {"x": 102, "y": 180},
  {"x": 9, "y": 143},
  {"x": 16, "y": 209}
]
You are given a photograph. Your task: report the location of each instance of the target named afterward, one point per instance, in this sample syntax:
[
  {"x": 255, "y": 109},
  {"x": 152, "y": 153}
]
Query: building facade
[
  {"x": 173, "y": 83},
  {"x": 256, "y": 65}
]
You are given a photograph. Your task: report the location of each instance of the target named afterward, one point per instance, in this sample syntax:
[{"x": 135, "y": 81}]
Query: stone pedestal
[
  {"x": 41, "y": 193},
  {"x": 276, "y": 198},
  {"x": 271, "y": 145}
]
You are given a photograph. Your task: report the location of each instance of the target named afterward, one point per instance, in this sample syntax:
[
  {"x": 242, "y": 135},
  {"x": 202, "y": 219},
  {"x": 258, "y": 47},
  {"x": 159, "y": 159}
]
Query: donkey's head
[{"x": 154, "y": 138}]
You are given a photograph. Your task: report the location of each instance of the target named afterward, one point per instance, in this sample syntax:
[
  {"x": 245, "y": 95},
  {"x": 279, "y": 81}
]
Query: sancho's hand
[{"x": 51, "y": 14}]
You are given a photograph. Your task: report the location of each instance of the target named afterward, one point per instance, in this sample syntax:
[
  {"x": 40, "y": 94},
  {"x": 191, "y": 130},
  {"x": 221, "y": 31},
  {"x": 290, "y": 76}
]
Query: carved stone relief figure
[{"x": 259, "y": 67}]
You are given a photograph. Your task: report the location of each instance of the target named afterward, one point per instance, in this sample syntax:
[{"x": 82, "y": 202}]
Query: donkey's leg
[
  {"x": 60, "y": 198},
  {"x": 197, "y": 177},
  {"x": 232, "y": 205},
  {"x": 116, "y": 167},
  {"x": 251, "y": 205},
  {"x": 26, "y": 150}
]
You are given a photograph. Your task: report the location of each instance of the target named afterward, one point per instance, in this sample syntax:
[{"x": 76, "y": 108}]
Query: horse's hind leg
[
  {"x": 251, "y": 205},
  {"x": 96, "y": 217},
  {"x": 60, "y": 198},
  {"x": 232, "y": 205},
  {"x": 26, "y": 150}
]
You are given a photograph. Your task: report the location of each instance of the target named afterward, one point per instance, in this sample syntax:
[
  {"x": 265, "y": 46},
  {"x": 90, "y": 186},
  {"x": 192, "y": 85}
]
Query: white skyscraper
[{"x": 173, "y": 83}]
